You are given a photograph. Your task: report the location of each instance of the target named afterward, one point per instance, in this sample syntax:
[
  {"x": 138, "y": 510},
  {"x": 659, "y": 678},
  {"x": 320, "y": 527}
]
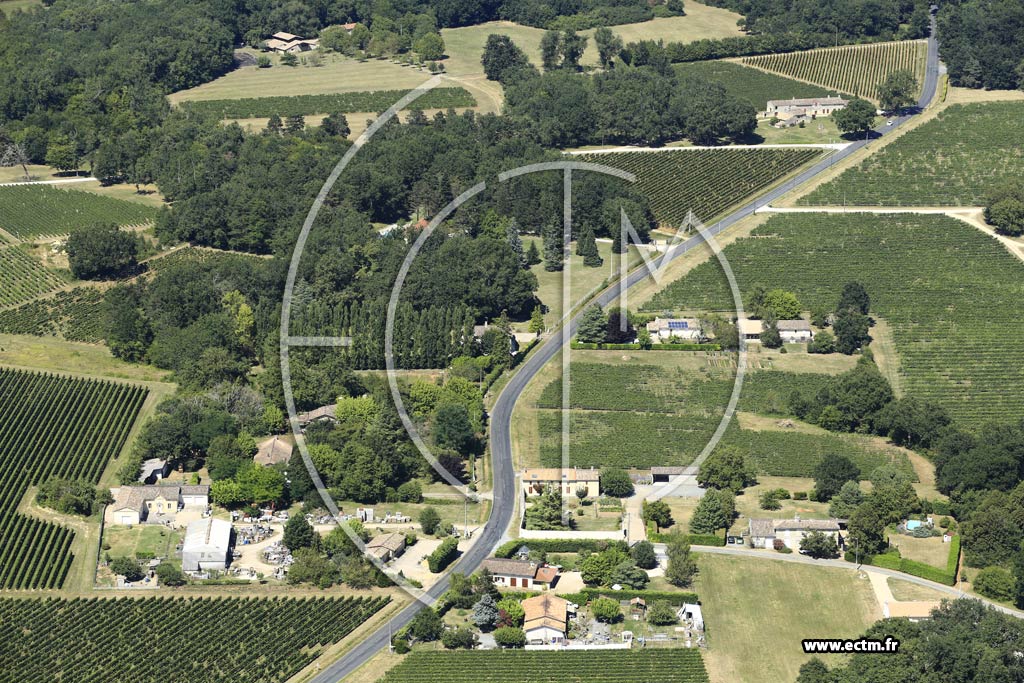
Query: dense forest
[
  {"x": 964, "y": 642},
  {"x": 982, "y": 43}
]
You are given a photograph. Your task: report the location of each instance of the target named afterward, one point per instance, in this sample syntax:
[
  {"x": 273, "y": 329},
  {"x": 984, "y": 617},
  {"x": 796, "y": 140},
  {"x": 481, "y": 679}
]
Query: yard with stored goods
[{"x": 926, "y": 276}]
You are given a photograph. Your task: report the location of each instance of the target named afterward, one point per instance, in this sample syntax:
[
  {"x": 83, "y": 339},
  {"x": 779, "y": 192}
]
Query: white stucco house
[
  {"x": 683, "y": 329},
  {"x": 764, "y": 532}
]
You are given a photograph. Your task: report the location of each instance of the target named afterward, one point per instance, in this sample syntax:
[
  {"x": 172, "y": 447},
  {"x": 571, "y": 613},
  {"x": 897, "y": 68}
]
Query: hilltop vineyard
[
  {"x": 856, "y": 69},
  {"x": 952, "y": 295},
  {"x": 22, "y": 277},
  {"x": 706, "y": 181},
  {"x": 202, "y": 640},
  {"x": 52, "y": 427},
  {"x": 341, "y": 103},
  {"x": 517, "y": 666},
  {"x": 28, "y": 212},
  {"x": 76, "y": 315}
]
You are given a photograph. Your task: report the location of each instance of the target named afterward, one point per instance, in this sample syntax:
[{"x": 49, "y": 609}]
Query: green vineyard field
[
  {"x": 662, "y": 416},
  {"x": 953, "y": 160},
  {"x": 29, "y": 212},
  {"x": 75, "y": 315},
  {"x": 706, "y": 181},
  {"x": 341, "y": 103},
  {"x": 201, "y": 640},
  {"x": 661, "y": 665},
  {"x": 22, "y": 277},
  {"x": 856, "y": 69},
  {"x": 753, "y": 85},
  {"x": 52, "y": 427},
  {"x": 951, "y": 294}
]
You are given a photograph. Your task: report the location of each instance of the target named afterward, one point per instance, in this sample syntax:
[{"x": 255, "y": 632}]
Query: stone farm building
[
  {"x": 547, "y": 617},
  {"x": 763, "y": 532},
  {"x": 386, "y": 547},
  {"x": 520, "y": 573},
  {"x": 288, "y": 42},
  {"x": 683, "y": 329},
  {"x": 536, "y": 479},
  {"x": 809, "y": 107},
  {"x": 155, "y": 504},
  {"x": 207, "y": 545}
]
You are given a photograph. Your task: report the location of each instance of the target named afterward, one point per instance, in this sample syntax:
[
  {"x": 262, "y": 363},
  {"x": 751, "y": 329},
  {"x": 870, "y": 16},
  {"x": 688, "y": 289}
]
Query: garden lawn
[{"x": 757, "y": 612}]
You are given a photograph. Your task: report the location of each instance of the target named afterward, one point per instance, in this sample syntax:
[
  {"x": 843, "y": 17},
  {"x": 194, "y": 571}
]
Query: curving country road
[{"x": 501, "y": 414}]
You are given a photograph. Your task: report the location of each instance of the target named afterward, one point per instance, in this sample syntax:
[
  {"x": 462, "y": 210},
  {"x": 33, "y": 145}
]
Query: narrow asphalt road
[{"x": 501, "y": 413}]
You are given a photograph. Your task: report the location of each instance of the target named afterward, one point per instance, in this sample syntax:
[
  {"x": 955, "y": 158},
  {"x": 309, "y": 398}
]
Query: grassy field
[
  {"x": 952, "y": 160},
  {"x": 517, "y": 666},
  {"x": 750, "y": 84},
  {"x": 754, "y": 635},
  {"x": 31, "y": 212},
  {"x": 928, "y": 550},
  {"x": 583, "y": 280},
  {"x": 925, "y": 275},
  {"x": 23, "y": 278},
  {"x": 55, "y": 355},
  {"x": 465, "y": 46},
  {"x": 705, "y": 181},
  {"x": 156, "y": 540},
  {"x": 11, "y": 6},
  {"x": 337, "y": 75},
  {"x": 904, "y": 590},
  {"x": 856, "y": 69}
]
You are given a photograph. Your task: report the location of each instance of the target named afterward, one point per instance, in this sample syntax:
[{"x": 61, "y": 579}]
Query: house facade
[
  {"x": 546, "y": 619},
  {"x": 207, "y": 545},
  {"x": 520, "y": 573},
  {"x": 683, "y": 329},
  {"x": 763, "y": 533},
  {"x": 791, "y": 331},
  {"x": 809, "y": 107},
  {"x": 568, "y": 480},
  {"x": 138, "y": 504},
  {"x": 795, "y": 331}
]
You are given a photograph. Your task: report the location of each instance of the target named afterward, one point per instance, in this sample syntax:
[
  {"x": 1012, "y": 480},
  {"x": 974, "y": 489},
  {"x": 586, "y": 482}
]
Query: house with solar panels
[{"x": 682, "y": 329}]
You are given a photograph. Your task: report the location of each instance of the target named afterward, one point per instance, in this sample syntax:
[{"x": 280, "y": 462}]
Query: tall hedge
[{"x": 444, "y": 555}]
